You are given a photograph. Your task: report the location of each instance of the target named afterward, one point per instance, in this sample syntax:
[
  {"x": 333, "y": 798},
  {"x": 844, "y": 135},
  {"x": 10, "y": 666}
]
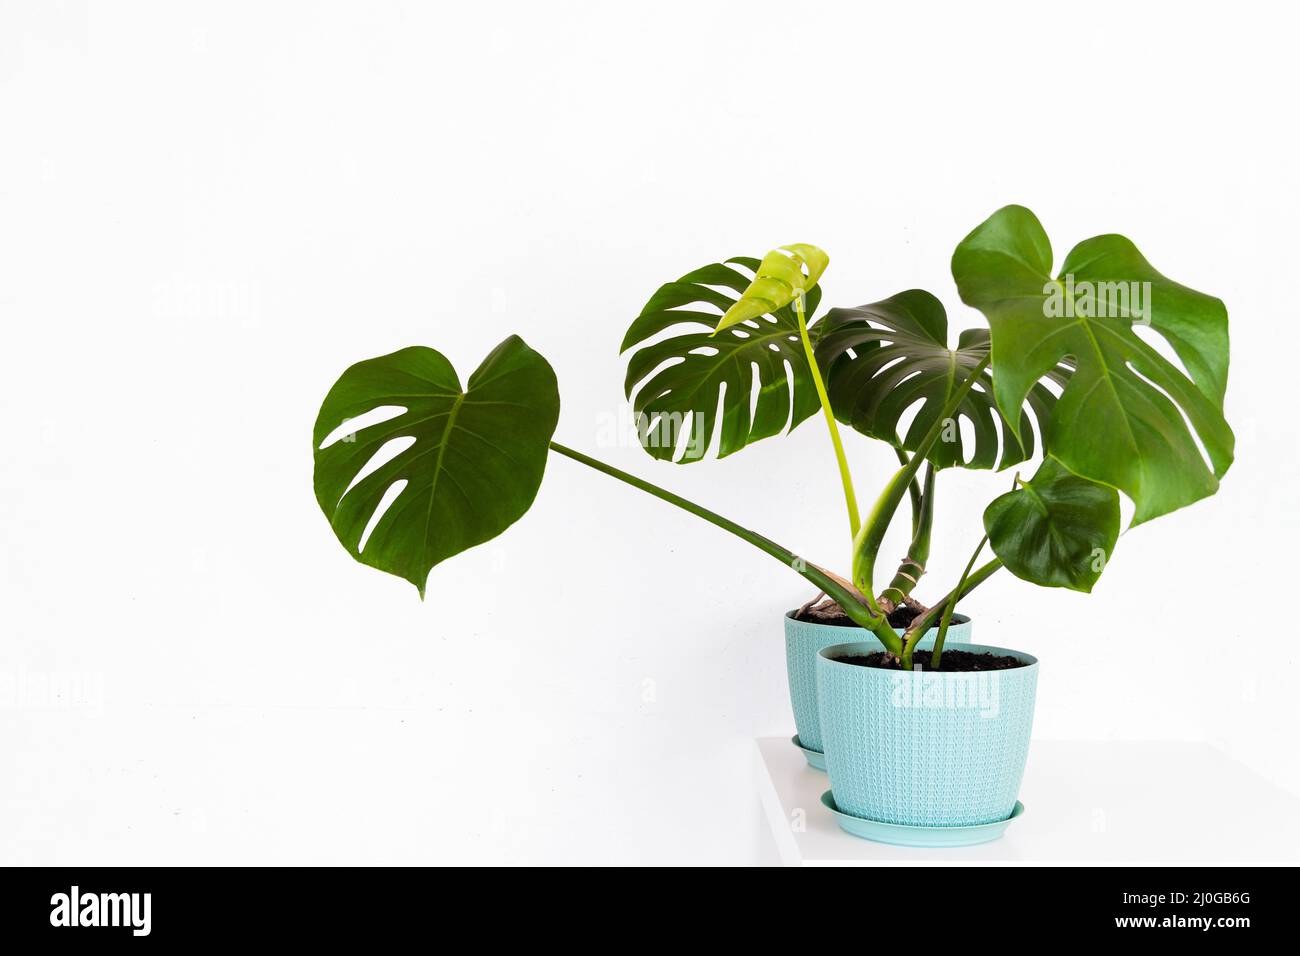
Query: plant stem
[
  {"x": 867, "y": 544},
  {"x": 913, "y": 491},
  {"x": 949, "y": 603},
  {"x": 850, "y": 499},
  {"x": 852, "y": 605},
  {"x": 937, "y": 656},
  {"x": 912, "y": 567},
  {"x": 926, "y": 621}
]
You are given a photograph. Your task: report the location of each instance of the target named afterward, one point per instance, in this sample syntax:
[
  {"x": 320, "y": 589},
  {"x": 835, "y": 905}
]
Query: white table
[{"x": 1116, "y": 802}]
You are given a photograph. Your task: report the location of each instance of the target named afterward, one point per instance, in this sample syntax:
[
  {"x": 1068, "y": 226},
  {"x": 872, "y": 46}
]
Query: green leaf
[
  {"x": 884, "y": 358},
  {"x": 472, "y": 471},
  {"x": 681, "y": 398},
  {"x": 779, "y": 278},
  {"x": 1120, "y": 419},
  {"x": 1057, "y": 530}
]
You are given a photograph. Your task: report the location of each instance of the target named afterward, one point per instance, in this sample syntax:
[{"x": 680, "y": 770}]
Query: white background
[{"x": 208, "y": 212}]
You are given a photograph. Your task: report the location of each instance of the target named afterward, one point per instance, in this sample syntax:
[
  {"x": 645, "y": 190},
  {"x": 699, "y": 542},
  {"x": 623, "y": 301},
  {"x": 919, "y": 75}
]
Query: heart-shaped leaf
[
  {"x": 472, "y": 467},
  {"x": 1120, "y": 419},
  {"x": 677, "y": 380},
  {"x": 884, "y": 358},
  {"x": 1056, "y": 530}
]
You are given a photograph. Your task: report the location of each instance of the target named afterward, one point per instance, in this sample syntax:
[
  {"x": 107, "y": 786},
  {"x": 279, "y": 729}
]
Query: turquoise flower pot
[
  {"x": 802, "y": 642},
  {"x": 925, "y": 749}
]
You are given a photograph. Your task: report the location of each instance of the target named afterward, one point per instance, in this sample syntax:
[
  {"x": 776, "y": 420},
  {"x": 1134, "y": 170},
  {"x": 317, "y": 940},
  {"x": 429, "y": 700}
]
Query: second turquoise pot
[
  {"x": 802, "y": 642},
  {"x": 922, "y": 748}
]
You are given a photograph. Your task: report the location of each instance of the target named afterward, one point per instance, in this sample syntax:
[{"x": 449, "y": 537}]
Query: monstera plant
[
  {"x": 440, "y": 467},
  {"x": 412, "y": 467}
]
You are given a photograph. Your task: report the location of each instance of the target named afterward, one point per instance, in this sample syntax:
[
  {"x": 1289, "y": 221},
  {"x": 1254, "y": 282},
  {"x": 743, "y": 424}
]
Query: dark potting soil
[
  {"x": 950, "y": 662},
  {"x": 900, "y": 618}
]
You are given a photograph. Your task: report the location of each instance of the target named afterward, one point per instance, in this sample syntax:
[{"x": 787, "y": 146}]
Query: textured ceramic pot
[
  {"x": 925, "y": 749},
  {"x": 802, "y": 642}
]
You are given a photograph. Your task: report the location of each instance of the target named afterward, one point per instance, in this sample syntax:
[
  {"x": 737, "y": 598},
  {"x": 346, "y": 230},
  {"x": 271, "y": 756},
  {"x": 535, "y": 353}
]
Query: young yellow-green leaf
[
  {"x": 474, "y": 462},
  {"x": 779, "y": 278},
  {"x": 1057, "y": 530},
  {"x": 1120, "y": 418}
]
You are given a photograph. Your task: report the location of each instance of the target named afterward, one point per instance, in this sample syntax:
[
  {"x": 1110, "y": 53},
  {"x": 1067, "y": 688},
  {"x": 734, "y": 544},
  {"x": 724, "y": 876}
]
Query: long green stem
[
  {"x": 867, "y": 544},
  {"x": 944, "y": 621},
  {"x": 949, "y": 603},
  {"x": 824, "y": 581},
  {"x": 912, "y": 567},
  {"x": 913, "y": 491},
  {"x": 850, "y": 499},
  {"x": 926, "y": 621}
]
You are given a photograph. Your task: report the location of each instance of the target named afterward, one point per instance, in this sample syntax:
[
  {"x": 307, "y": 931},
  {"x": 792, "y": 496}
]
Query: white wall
[{"x": 205, "y": 215}]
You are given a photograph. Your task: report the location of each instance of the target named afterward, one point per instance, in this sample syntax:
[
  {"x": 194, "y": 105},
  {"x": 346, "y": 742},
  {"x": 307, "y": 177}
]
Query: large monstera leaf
[
  {"x": 1120, "y": 419},
  {"x": 884, "y": 358},
  {"x": 1056, "y": 530},
  {"x": 472, "y": 467},
  {"x": 682, "y": 397}
]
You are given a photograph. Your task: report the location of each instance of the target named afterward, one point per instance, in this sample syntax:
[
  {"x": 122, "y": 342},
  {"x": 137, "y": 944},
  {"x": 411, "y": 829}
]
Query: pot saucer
[
  {"x": 816, "y": 759},
  {"x": 900, "y": 835}
]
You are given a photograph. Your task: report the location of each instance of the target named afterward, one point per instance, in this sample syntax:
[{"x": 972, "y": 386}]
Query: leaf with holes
[
  {"x": 472, "y": 462},
  {"x": 1056, "y": 530},
  {"x": 1120, "y": 419},
  {"x": 677, "y": 380},
  {"x": 885, "y": 358}
]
